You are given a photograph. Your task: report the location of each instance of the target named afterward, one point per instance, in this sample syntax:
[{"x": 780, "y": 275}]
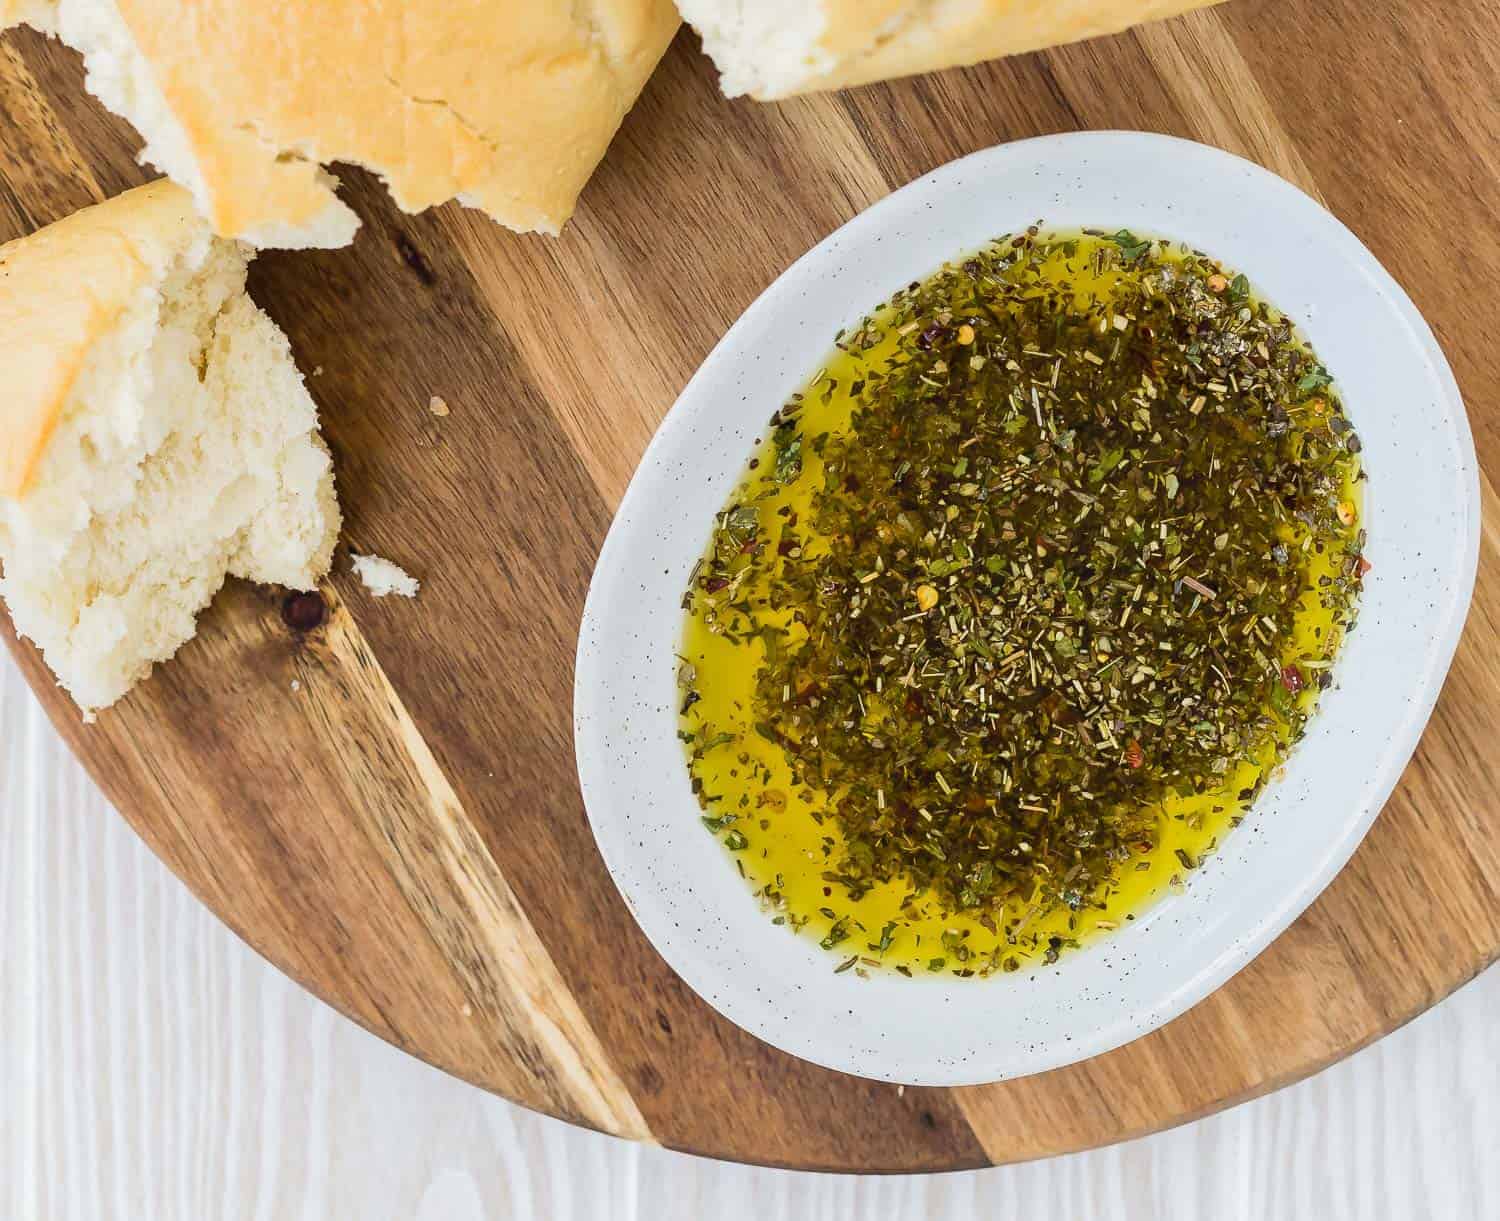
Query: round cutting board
[{"x": 380, "y": 796}]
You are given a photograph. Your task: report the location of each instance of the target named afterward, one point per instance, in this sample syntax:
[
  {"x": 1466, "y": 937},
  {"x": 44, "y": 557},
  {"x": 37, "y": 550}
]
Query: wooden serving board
[{"x": 385, "y": 805}]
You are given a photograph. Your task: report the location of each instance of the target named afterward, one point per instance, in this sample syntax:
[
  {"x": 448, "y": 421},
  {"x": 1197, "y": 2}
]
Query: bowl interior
[{"x": 1422, "y": 515}]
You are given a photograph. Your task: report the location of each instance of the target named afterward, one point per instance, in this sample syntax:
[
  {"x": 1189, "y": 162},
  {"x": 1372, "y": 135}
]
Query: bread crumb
[
  {"x": 318, "y": 372},
  {"x": 437, "y": 406},
  {"x": 381, "y": 577}
]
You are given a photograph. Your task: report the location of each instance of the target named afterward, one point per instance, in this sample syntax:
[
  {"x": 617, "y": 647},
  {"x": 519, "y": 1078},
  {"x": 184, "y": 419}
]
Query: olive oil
[{"x": 759, "y": 732}]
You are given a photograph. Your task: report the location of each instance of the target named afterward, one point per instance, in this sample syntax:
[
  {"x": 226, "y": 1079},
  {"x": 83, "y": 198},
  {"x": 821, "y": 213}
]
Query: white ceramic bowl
[{"x": 1423, "y": 520}]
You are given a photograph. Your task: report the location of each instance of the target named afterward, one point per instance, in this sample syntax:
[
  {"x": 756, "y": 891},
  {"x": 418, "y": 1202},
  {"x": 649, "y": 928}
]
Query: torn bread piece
[
  {"x": 777, "y": 48},
  {"x": 506, "y": 105},
  {"x": 384, "y": 577},
  {"x": 155, "y": 437}
]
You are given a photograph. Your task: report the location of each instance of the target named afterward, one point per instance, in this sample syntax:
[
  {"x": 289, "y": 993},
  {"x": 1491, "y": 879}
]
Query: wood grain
[{"x": 391, "y": 831}]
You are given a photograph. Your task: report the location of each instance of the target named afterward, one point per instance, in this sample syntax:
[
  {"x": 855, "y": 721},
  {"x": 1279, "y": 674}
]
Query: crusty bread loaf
[
  {"x": 155, "y": 437},
  {"x": 507, "y": 105},
  {"x": 777, "y": 48}
]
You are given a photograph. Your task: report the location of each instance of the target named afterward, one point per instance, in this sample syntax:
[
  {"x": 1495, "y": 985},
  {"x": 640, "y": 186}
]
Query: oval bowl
[{"x": 1422, "y": 514}]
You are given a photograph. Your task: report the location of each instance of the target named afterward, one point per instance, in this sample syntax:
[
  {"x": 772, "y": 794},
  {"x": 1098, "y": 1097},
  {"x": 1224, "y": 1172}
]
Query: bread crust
[
  {"x": 872, "y": 40},
  {"x": 61, "y": 289},
  {"x": 508, "y": 105}
]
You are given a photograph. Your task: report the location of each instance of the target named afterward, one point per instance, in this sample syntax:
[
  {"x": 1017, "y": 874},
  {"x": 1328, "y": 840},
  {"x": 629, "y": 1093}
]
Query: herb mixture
[{"x": 1029, "y": 592}]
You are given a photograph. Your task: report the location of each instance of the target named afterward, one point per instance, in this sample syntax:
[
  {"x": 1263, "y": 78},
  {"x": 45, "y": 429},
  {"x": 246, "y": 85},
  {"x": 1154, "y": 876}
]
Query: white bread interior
[
  {"x": 777, "y": 48},
  {"x": 384, "y": 577},
  {"x": 506, "y": 105},
  {"x": 182, "y": 445}
]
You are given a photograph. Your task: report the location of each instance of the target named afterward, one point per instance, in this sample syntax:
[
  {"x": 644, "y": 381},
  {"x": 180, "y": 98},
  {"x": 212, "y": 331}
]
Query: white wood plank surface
[{"x": 152, "y": 1067}]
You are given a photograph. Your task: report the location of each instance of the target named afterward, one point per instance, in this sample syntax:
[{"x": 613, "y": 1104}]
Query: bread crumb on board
[
  {"x": 381, "y": 577},
  {"x": 437, "y": 406}
]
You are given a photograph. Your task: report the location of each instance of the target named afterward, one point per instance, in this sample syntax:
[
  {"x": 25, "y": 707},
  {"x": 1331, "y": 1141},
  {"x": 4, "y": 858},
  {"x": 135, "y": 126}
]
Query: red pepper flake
[
  {"x": 1364, "y": 565},
  {"x": 714, "y": 584},
  {"x": 1134, "y": 755},
  {"x": 1291, "y": 679}
]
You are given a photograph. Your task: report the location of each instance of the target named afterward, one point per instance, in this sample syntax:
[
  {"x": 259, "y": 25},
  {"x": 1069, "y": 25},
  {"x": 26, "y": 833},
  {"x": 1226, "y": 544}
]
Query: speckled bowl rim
[{"x": 1424, "y": 520}]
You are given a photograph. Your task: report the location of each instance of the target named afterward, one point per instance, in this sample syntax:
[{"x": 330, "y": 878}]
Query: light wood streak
[
  {"x": 465, "y": 903},
  {"x": 38, "y": 158}
]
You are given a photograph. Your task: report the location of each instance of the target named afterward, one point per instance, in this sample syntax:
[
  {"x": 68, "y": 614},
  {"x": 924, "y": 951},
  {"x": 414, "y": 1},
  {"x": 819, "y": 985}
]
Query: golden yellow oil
[{"x": 789, "y": 844}]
